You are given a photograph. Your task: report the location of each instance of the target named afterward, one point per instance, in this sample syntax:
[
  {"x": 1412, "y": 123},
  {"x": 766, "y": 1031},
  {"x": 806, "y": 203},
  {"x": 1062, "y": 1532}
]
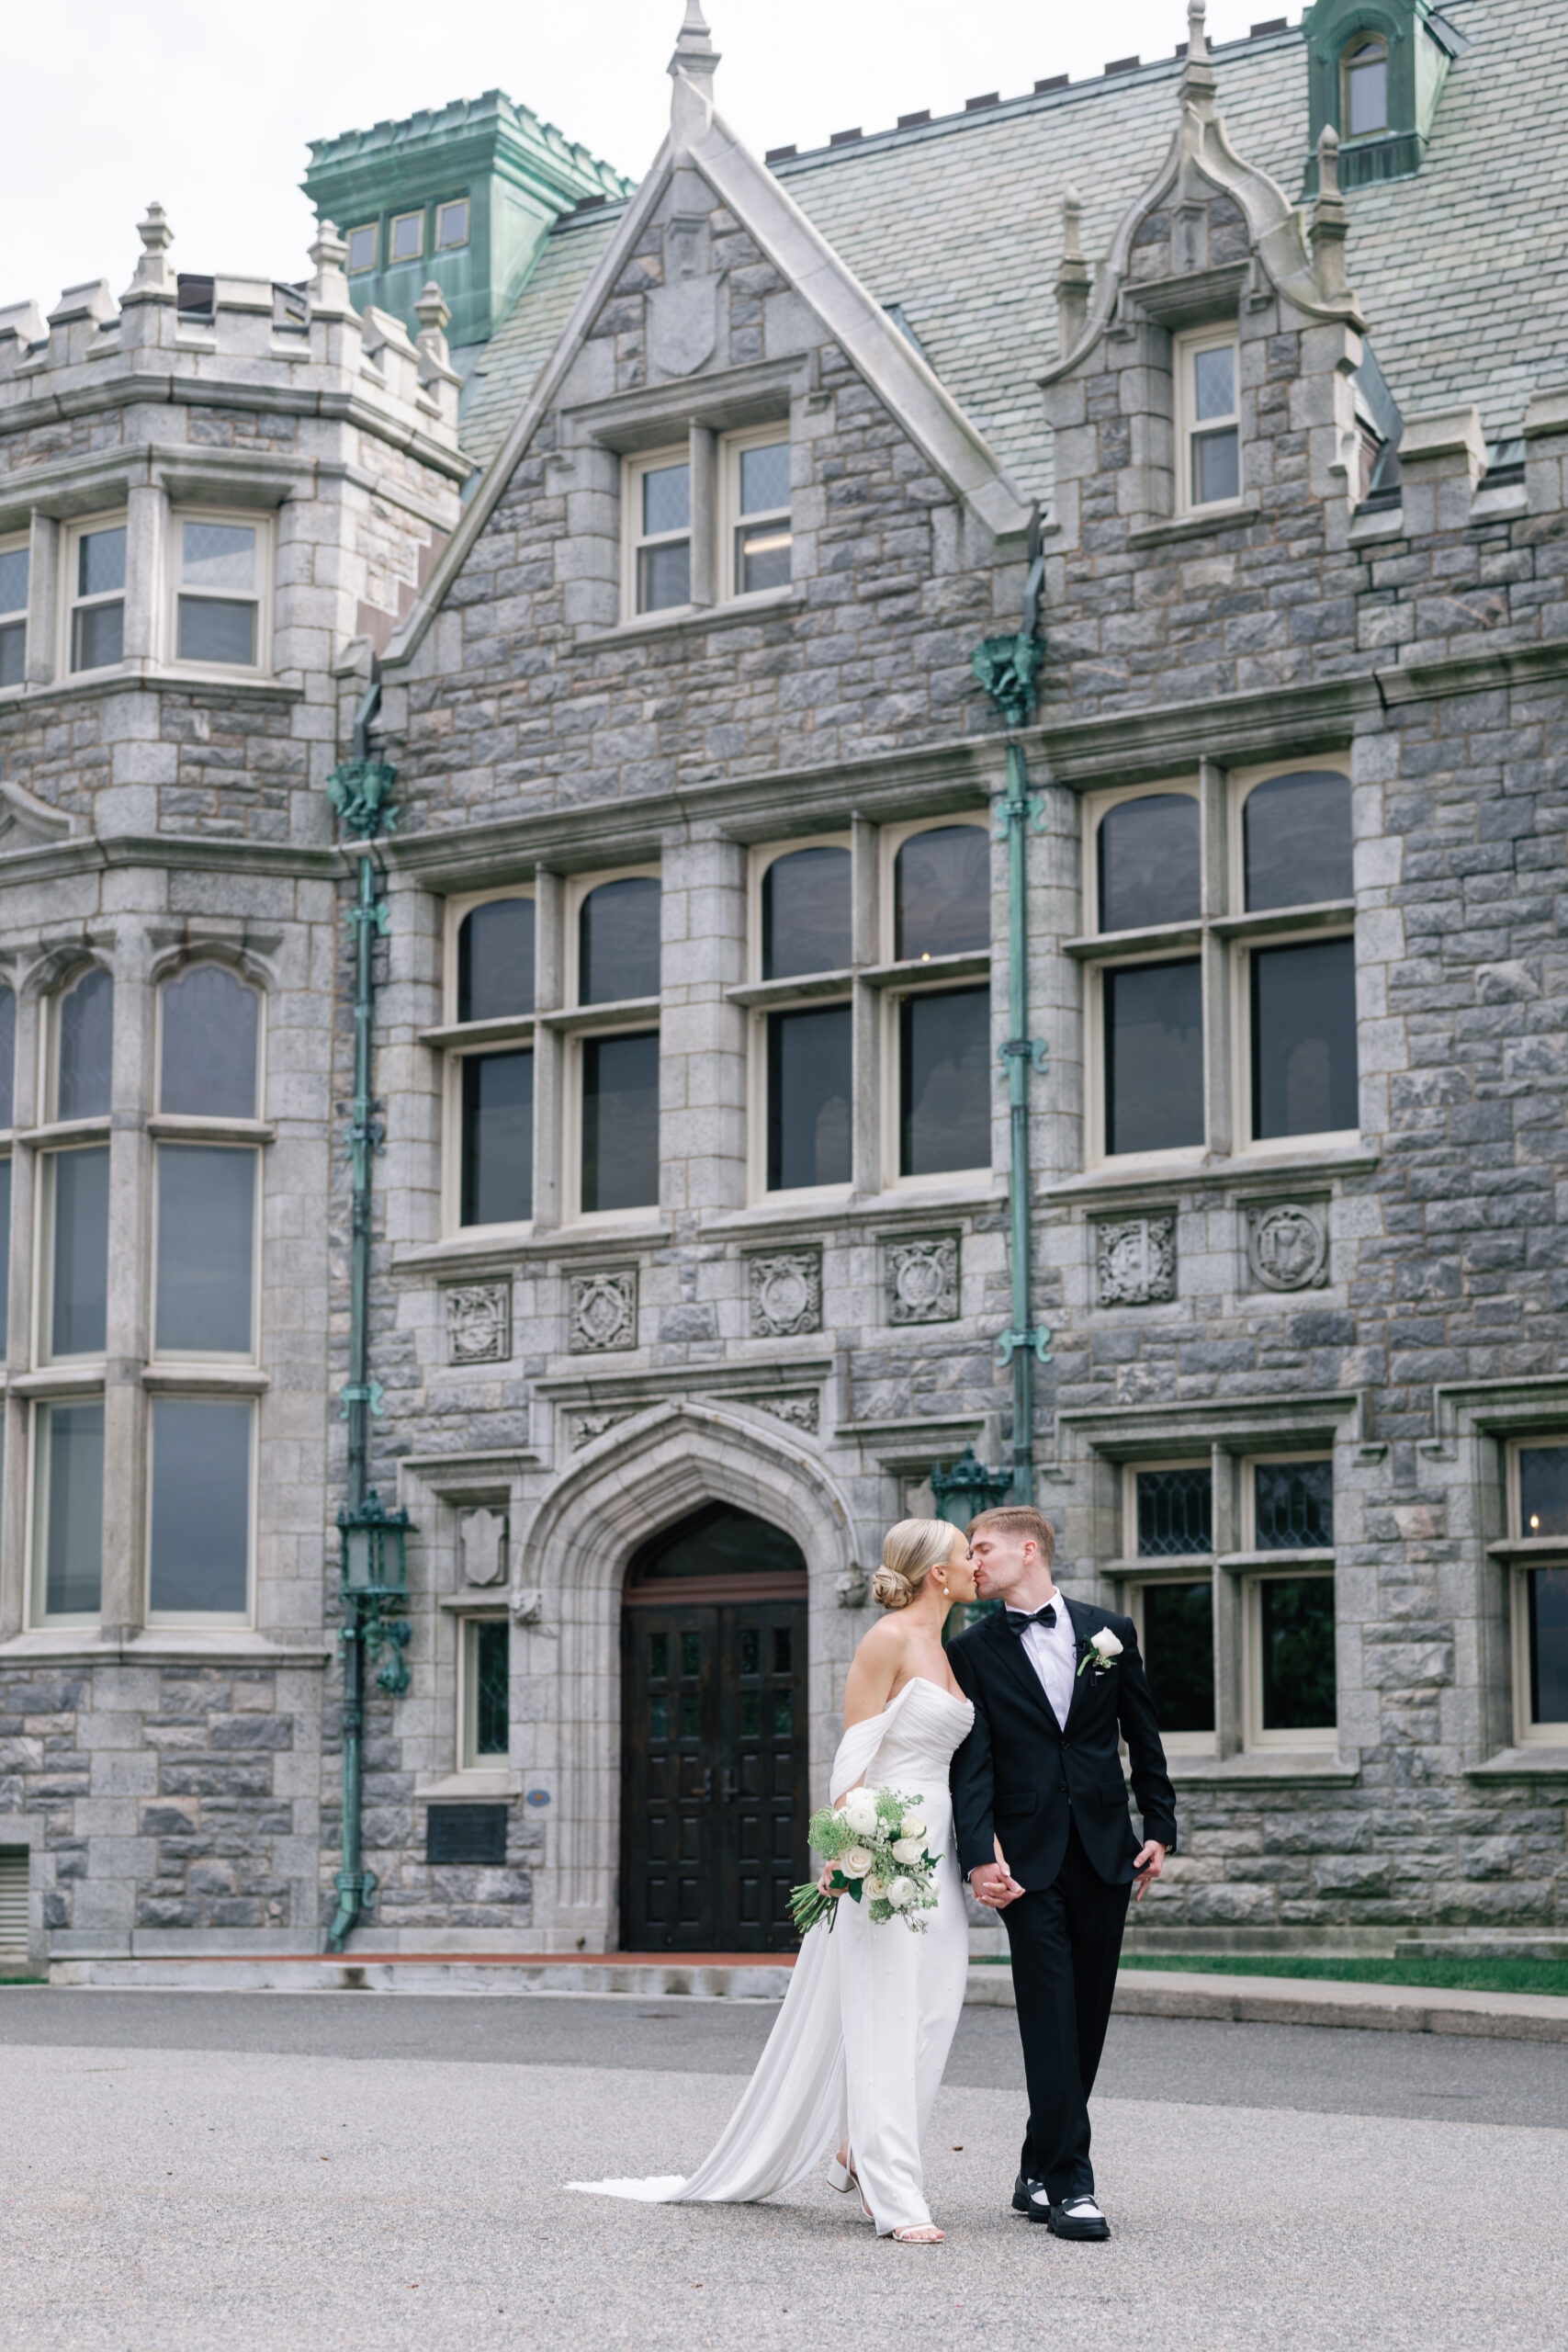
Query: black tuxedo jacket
[{"x": 1020, "y": 1772}]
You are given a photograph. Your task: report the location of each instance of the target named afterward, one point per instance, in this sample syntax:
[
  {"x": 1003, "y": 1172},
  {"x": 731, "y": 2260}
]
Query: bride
[{"x": 857, "y": 2053}]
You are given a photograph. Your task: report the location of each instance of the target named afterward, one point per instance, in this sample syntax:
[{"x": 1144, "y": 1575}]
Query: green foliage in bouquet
[{"x": 874, "y": 1846}]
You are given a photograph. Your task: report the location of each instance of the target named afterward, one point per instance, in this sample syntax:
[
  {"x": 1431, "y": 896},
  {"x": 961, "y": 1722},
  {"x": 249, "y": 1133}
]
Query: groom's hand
[
  {"x": 994, "y": 1886},
  {"x": 1147, "y": 1868}
]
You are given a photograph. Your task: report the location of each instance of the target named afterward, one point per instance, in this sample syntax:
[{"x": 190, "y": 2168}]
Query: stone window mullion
[
  {"x": 1219, "y": 1119},
  {"x": 127, "y": 1332}
]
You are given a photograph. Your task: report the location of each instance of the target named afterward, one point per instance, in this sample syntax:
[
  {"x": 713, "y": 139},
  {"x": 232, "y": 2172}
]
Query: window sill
[
  {"x": 759, "y": 995},
  {"x": 167, "y": 1127},
  {"x": 515, "y": 1029},
  {"x": 476, "y": 1786},
  {"x": 632, "y": 1012},
  {"x": 974, "y": 964},
  {"x": 149, "y": 678},
  {"x": 921, "y": 1196},
  {"x": 1104, "y": 946},
  {"x": 1526, "y": 1549},
  {"x": 60, "y": 1380},
  {"x": 227, "y": 1645},
  {"x": 1196, "y": 527},
  {"x": 1241, "y": 1564},
  {"x": 690, "y": 619},
  {"x": 217, "y": 1379},
  {"x": 1250, "y": 1167},
  {"x": 1529, "y": 1762},
  {"x": 1328, "y": 914},
  {"x": 65, "y": 1131},
  {"x": 1323, "y": 1764},
  {"x": 1370, "y": 525}
]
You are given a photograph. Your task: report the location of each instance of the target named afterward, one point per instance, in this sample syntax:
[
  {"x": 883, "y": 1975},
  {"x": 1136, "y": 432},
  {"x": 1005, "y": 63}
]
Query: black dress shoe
[
  {"x": 1025, "y": 2189},
  {"x": 1076, "y": 2217}
]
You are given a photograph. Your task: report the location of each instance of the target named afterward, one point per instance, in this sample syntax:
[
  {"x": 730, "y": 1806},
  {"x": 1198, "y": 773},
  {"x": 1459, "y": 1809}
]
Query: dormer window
[
  {"x": 362, "y": 249},
  {"x": 760, "y": 487},
  {"x": 707, "y": 522},
  {"x": 451, "y": 224},
  {"x": 407, "y": 237},
  {"x": 1363, "y": 105},
  {"x": 1208, "y": 410}
]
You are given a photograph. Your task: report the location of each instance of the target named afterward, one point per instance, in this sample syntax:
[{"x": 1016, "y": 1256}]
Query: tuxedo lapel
[
  {"x": 1079, "y": 1624},
  {"x": 1010, "y": 1650}
]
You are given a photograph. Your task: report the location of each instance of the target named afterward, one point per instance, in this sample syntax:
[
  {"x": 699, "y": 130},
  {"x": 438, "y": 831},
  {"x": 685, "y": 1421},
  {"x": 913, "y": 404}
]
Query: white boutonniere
[{"x": 1100, "y": 1650}]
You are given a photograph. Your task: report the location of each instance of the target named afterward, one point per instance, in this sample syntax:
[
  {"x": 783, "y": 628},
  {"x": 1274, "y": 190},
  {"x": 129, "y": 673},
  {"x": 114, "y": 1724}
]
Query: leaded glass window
[
  {"x": 1292, "y": 1506},
  {"x": 1175, "y": 1511},
  {"x": 490, "y": 1699}
]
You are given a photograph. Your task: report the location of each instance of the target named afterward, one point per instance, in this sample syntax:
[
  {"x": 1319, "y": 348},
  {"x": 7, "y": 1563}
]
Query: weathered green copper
[
  {"x": 1006, "y": 667},
  {"x": 373, "y": 1582},
  {"x": 967, "y": 1487}
]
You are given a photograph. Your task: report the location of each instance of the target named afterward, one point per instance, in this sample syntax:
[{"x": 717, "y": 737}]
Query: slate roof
[{"x": 1462, "y": 271}]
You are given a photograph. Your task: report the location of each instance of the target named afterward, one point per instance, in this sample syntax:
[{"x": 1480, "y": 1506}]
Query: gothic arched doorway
[{"x": 714, "y": 1735}]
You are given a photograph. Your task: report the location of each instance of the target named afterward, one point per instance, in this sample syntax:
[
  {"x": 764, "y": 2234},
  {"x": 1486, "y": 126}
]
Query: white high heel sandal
[{"x": 843, "y": 2178}]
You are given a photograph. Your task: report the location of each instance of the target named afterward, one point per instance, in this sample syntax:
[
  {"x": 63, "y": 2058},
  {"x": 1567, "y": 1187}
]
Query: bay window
[
  {"x": 220, "y": 575},
  {"x": 15, "y": 568},
  {"x": 200, "y": 1508},
  {"x": 67, "y": 1509},
  {"x": 94, "y": 576}
]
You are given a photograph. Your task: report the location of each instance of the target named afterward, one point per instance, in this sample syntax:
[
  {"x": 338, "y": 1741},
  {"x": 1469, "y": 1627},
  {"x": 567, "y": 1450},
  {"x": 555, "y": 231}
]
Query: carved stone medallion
[
  {"x": 482, "y": 1534},
  {"x": 922, "y": 1279},
  {"x": 1137, "y": 1261},
  {"x": 602, "y": 1312},
  {"x": 478, "y": 1323},
  {"x": 787, "y": 1292},
  {"x": 1287, "y": 1246}
]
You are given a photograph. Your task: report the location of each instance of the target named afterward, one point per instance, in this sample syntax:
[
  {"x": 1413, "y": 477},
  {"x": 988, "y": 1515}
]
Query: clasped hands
[{"x": 995, "y": 1886}]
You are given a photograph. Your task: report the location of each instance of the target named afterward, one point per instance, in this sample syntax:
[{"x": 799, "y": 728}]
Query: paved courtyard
[{"x": 186, "y": 2172}]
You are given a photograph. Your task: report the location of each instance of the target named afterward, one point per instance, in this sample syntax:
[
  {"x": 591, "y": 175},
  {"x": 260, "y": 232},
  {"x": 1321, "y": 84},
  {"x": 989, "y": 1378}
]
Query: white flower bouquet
[{"x": 875, "y": 1847}]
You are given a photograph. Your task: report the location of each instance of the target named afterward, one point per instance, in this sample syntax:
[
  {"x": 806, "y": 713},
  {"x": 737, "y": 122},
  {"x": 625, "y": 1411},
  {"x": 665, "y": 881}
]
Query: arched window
[
  {"x": 942, "y": 892},
  {"x": 1149, "y": 858},
  {"x": 1363, "y": 86},
  {"x": 617, "y": 941},
  {"x": 84, "y": 1046},
  {"x": 495, "y": 960},
  {"x": 717, "y": 1541},
  {"x": 1296, "y": 839},
  {"x": 806, "y": 912},
  {"x": 208, "y": 1063}
]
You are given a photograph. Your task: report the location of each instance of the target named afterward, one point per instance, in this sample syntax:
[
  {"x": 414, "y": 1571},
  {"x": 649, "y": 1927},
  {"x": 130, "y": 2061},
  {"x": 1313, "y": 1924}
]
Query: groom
[{"x": 1055, "y": 1682}]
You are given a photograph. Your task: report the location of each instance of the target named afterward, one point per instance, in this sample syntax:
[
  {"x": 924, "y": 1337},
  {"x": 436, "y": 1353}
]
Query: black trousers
[{"x": 1066, "y": 1941}]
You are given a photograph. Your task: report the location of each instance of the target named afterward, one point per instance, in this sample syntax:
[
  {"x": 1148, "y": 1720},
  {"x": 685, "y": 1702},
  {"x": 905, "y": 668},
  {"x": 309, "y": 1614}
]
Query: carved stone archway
[{"x": 639, "y": 1477}]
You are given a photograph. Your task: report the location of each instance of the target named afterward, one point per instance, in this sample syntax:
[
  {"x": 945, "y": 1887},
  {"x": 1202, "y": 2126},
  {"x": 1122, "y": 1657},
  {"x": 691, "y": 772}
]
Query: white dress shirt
[{"x": 1054, "y": 1654}]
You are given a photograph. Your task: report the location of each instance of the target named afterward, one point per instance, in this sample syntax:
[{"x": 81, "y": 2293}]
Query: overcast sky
[{"x": 208, "y": 105}]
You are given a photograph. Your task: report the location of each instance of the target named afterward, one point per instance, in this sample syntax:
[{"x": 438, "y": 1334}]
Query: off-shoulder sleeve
[{"x": 857, "y": 1753}]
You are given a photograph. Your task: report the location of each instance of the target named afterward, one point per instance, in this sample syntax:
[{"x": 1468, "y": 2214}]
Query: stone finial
[
  {"x": 1073, "y": 276},
  {"x": 1196, "y": 86},
  {"x": 153, "y": 277},
  {"x": 329, "y": 287},
  {"x": 692, "y": 69},
  {"x": 432, "y": 315},
  {"x": 1330, "y": 222}
]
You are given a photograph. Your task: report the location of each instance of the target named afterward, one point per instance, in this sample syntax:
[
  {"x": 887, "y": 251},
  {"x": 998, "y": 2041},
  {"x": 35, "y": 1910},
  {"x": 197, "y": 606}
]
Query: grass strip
[{"x": 1451, "y": 1973}]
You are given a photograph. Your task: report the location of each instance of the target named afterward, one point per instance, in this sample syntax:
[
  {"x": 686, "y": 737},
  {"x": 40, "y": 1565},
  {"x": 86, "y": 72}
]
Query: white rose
[
  {"x": 912, "y": 1826},
  {"x": 855, "y": 1863},
  {"x": 901, "y": 1894},
  {"x": 907, "y": 1850},
  {"x": 1106, "y": 1643},
  {"x": 860, "y": 1812},
  {"x": 877, "y": 1888}
]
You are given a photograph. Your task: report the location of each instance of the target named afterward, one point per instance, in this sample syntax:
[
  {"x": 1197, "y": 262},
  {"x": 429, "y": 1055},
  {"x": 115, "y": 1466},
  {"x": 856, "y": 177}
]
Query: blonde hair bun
[
  {"x": 910, "y": 1552},
  {"x": 893, "y": 1590}
]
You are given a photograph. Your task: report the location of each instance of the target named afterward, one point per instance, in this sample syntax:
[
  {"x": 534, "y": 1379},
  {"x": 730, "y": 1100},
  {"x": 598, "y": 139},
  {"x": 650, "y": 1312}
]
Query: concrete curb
[{"x": 1140, "y": 1993}]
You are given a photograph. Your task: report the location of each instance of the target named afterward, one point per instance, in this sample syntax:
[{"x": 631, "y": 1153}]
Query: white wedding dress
[{"x": 858, "y": 2049}]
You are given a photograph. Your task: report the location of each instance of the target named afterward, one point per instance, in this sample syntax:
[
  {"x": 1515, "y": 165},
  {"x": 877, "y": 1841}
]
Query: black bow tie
[{"x": 1046, "y": 1616}]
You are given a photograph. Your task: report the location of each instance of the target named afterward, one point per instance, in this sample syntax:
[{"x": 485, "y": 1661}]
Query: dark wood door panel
[{"x": 715, "y": 1774}]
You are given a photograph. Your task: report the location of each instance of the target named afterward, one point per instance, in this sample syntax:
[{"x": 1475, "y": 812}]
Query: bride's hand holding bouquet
[{"x": 874, "y": 1846}]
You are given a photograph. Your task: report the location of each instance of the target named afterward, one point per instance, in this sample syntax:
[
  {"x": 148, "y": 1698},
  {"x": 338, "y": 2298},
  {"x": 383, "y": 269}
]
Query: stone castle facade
[{"x": 661, "y": 593}]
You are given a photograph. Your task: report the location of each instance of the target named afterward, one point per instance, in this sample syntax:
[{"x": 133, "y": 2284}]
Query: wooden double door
[{"x": 715, "y": 1757}]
